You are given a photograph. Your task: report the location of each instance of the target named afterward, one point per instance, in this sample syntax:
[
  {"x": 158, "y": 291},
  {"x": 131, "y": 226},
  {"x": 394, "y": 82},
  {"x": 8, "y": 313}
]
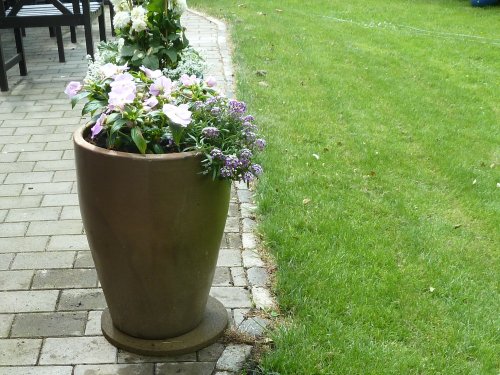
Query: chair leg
[
  {"x": 52, "y": 32},
  {"x": 23, "y": 31},
  {"x": 88, "y": 38},
  {"x": 4, "y": 84},
  {"x": 72, "y": 31},
  {"x": 111, "y": 16},
  {"x": 20, "y": 50},
  {"x": 60, "y": 44},
  {"x": 102, "y": 26}
]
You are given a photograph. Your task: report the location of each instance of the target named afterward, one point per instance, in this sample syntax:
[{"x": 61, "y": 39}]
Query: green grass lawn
[{"x": 392, "y": 267}]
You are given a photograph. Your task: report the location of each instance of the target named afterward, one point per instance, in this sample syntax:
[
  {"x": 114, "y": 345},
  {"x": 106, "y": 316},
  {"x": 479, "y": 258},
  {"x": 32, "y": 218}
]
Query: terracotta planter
[{"x": 154, "y": 226}]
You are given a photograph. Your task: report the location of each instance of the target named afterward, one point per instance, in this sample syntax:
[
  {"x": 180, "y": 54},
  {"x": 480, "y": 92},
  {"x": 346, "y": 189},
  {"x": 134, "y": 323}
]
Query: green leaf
[
  {"x": 151, "y": 62},
  {"x": 172, "y": 54},
  {"x": 158, "y": 149},
  {"x": 92, "y": 106},
  {"x": 117, "y": 125},
  {"x": 156, "y": 6},
  {"x": 138, "y": 139},
  {"x": 78, "y": 97},
  {"x": 128, "y": 50}
]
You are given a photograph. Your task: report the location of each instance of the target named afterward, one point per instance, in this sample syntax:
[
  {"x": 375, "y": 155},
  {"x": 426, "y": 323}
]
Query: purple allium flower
[
  {"x": 245, "y": 154},
  {"x": 257, "y": 169},
  {"x": 211, "y": 81},
  {"x": 161, "y": 85},
  {"x": 250, "y": 136},
  {"x": 237, "y": 107},
  {"x": 248, "y": 176},
  {"x": 153, "y": 74},
  {"x": 215, "y": 111},
  {"x": 248, "y": 118},
  {"x": 210, "y": 132},
  {"x": 260, "y": 143},
  {"x": 73, "y": 88},
  {"x": 216, "y": 154},
  {"x": 189, "y": 80},
  {"x": 226, "y": 172},
  {"x": 97, "y": 128},
  {"x": 231, "y": 161},
  {"x": 180, "y": 115}
]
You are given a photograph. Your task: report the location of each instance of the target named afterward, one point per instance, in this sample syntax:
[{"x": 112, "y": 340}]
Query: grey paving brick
[
  {"x": 222, "y": 277},
  {"x": 55, "y": 227},
  {"x": 3, "y": 214},
  {"x": 257, "y": 276},
  {"x": 232, "y": 297},
  {"x": 13, "y": 229},
  {"x": 55, "y": 165},
  {"x": 84, "y": 259},
  {"x": 40, "y": 155},
  {"x": 68, "y": 155},
  {"x": 28, "y": 177},
  {"x": 44, "y": 115},
  {"x": 233, "y": 240},
  {"x": 8, "y": 157},
  {"x": 69, "y": 175},
  {"x": 186, "y": 368},
  {"x": 31, "y": 130},
  {"x": 211, "y": 353},
  {"x": 6, "y": 131},
  {"x": 15, "y": 280},
  {"x": 20, "y": 202},
  {"x": 19, "y": 351},
  {"x": 30, "y": 214},
  {"x": 93, "y": 327},
  {"x": 23, "y": 244},
  {"x": 76, "y": 350},
  {"x": 44, "y": 260},
  {"x": 59, "y": 145},
  {"x": 37, "y": 370},
  {"x": 233, "y": 209},
  {"x": 238, "y": 276},
  {"x": 229, "y": 258},
  {"x": 248, "y": 210},
  {"x": 71, "y": 213},
  {"x": 49, "y": 324},
  {"x": 68, "y": 242},
  {"x": 75, "y": 119},
  {"x": 254, "y": 326},
  {"x": 60, "y": 200},
  {"x": 262, "y": 298},
  {"x": 5, "y": 324},
  {"x": 126, "y": 369},
  {"x": 12, "y": 116},
  {"x": 28, "y": 301},
  {"x": 248, "y": 241},
  {"x": 31, "y": 108},
  {"x": 232, "y": 225},
  {"x": 26, "y": 166},
  {"x": 239, "y": 316},
  {"x": 50, "y": 138},
  {"x": 245, "y": 196},
  {"x": 233, "y": 358},
  {"x": 47, "y": 188},
  {"x": 64, "y": 278},
  {"x": 5, "y": 260},
  {"x": 248, "y": 225},
  {"x": 81, "y": 299},
  {"x": 127, "y": 357},
  {"x": 7, "y": 139},
  {"x": 252, "y": 259},
  {"x": 10, "y": 190}
]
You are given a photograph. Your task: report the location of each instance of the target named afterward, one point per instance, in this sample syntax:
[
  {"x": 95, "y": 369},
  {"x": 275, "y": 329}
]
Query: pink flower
[
  {"x": 123, "y": 91},
  {"x": 97, "y": 128},
  {"x": 153, "y": 74},
  {"x": 178, "y": 115},
  {"x": 211, "y": 81},
  {"x": 150, "y": 103},
  {"x": 189, "y": 80},
  {"x": 73, "y": 88},
  {"x": 109, "y": 70},
  {"x": 161, "y": 85}
]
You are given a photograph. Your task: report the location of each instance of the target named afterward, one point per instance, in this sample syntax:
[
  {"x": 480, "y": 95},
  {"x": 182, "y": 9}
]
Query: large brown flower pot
[{"x": 154, "y": 226}]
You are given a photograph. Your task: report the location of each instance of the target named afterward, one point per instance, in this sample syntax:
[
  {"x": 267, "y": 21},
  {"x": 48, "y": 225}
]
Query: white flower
[
  {"x": 121, "y": 19},
  {"x": 120, "y": 43},
  {"x": 180, "y": 6},
  {"x": 120, "y": 5},
  {"x": 180, "y": 115},
  {"x": 138, "y": 17}
]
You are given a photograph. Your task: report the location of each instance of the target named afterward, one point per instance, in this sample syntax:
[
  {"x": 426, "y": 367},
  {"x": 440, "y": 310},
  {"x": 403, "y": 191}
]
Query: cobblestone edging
[{"x": 50, "y": 300}]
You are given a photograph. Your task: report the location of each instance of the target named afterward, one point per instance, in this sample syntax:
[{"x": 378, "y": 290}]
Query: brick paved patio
[{"x": 50, "y": 300}]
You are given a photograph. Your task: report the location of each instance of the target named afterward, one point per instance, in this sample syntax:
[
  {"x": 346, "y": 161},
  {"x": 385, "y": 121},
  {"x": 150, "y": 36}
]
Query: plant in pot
[{"x": 154, "y": 169}]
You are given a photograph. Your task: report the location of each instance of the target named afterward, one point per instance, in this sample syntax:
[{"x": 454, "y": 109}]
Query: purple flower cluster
[
  {"x": 237, "y": 107},
  {"x": 210, "y": 132}
]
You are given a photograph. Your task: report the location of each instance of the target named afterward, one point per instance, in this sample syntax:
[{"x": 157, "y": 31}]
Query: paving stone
[
  {"x": 5, "y": 323},
  {"x": 37, "y": 370},
  {"x": 17, "y": 147},
  {"x": 68, "y": 242},
  {"x": 37, "y": 228},
  {"x": 59, "y": 145},
  {"x": 10, "y": 190},
  {"x": 222, "y": 277},
  {"x": 232, "y": 225},
  {"x": 248, "y": 241},
  {"x": 233, "y": 209},
  {"x": 13, "y": 229},
  {"x": 28, "y": 301},
  {"x": 229, "y": 258},
  {"x": 69, "y": 175},
  {"x": 245, "y": 196},
  {"x": 3, "y": 214},
  {"x": 50, "y": 138},
  {"x": 60, "y": 200},
  {"x": 30, "y": 130},
  {"x": 232, "y": 297},
  {"x": 233, "y": 240},
  {"x": 254, "y": 326},
  {"x": 40, "y": 155},
  {"x": 71, "y": 213},
  {"x": 49, "y": 324},
  {"x": 127, "y": 357},
  {"x": 252, "y": 259},
  {"x": 28, "y": 177},
  {"x": 19, "y": 351},
  {"x": 23, "y": 244},
  {"x": 15, "y": 280},
  {"x": 20, "y": 202},
  {"x": 238, "y": 276},
  {"x": 76, "y": 350},
  {"x": 186, "y": 368},
  {"x": 44, "y": 260},
  {"x": 47, "y": 188},
  {"x": 128, "y": 369},
  {"x": 8, "y": 157},
  {"x": 5, "y": 260},
  {"x": 32, "y": 214},
  {"x": 84, "y": 259},
  {"x": 248, "y": 225},
  {"x": 234, "y": 357},
  {"x": 93, "y": 327},
  {"x": 16, "y": 167},
  {"x": 257, "y": 276},
  {"x": 262, "y": 298},
  {"x": 55, "y": 165},
  {"x": 211, "y": 353},
  {"x": 239, "y": 316},
  {"x": 81, "y": 299},
  {"x": 65, "y": 278}
]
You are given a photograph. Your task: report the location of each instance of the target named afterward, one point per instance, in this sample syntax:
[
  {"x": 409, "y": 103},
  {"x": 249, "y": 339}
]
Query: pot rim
[{"x": 79, "y": 141}]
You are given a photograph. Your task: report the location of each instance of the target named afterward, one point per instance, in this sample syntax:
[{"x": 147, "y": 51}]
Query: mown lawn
[{"x": 387, "y": 246}]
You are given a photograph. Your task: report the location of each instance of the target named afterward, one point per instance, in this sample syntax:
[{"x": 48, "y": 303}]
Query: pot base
[{"x": 207, "y": 332}]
